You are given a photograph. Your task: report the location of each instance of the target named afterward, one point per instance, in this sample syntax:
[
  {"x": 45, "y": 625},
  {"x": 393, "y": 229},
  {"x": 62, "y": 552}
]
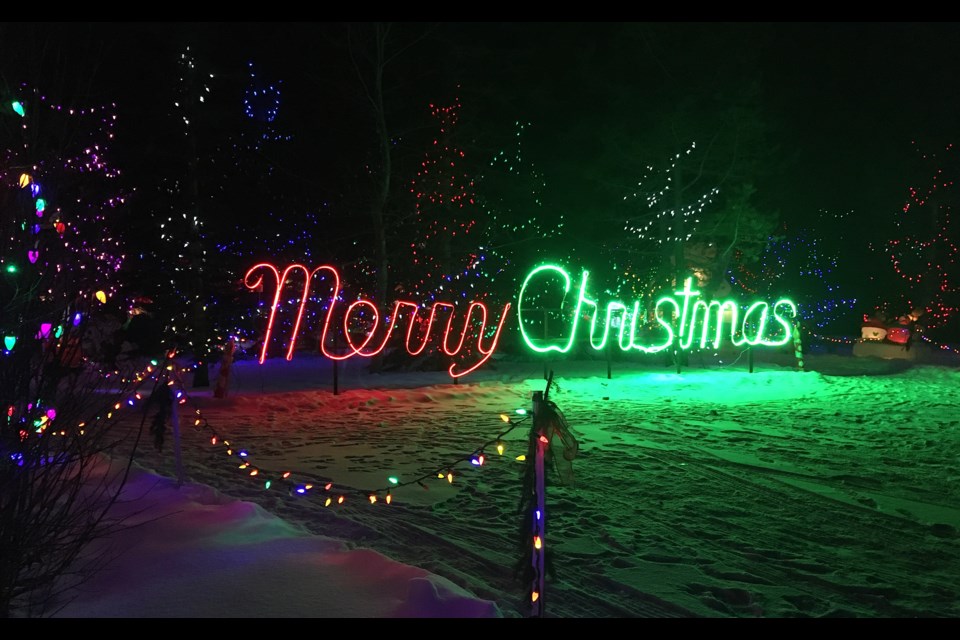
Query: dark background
[{"x": 837, "y": 108}]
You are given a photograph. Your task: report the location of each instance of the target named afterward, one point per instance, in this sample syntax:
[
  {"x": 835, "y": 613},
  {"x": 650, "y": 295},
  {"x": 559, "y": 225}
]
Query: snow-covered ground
[{"x": 716, "y": 492}]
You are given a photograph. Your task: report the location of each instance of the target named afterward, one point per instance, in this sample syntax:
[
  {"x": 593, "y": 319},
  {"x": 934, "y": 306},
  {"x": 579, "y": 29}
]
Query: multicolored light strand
[{"x": 305, "y": 484}]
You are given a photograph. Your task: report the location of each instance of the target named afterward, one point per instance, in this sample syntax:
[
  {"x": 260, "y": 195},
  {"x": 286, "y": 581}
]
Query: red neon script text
[{"x": 362, "y": 347}]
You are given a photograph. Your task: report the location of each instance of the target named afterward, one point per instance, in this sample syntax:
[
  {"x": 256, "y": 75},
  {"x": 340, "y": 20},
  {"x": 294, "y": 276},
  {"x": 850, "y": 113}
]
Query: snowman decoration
[{"x": 880, "y": 328}]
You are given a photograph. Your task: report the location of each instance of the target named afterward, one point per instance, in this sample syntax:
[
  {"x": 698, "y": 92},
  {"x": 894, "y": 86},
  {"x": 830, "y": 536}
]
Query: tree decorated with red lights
[
  {"x": 445, "y": 210},
  {"x": 475, "y": 221},
  {"x": 442, "y": 254},
  {"x": 478, "y": 225},
  {"x": 925, "y": 255}
]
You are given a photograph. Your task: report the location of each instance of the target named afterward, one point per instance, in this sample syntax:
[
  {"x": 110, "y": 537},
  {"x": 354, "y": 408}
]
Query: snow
[
  {"x": 714, "y": 492},
  {"x": 193, "y": 552}
]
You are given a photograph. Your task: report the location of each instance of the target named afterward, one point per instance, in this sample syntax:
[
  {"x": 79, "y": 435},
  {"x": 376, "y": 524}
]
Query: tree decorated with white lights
[
  {"x": 192, "y": 93},
  {"x": 667, "y": 221},
  {"x": 514, "y": 232},
  {"x": 278, "y": 224},
  {"x": 220, "y": 205}
]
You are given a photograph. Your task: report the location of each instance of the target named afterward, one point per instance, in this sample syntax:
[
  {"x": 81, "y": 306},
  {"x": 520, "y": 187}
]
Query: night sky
[
  {"x": 844, "y": 99},
  {"x": 829, "y": 109}
]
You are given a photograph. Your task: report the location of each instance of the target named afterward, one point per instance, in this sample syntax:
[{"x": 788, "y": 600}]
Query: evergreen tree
[{"x": 59, "y": 264}]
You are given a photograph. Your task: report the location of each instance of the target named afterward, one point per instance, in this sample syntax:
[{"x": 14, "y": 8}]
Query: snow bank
[{"x": 193, "y": 552}]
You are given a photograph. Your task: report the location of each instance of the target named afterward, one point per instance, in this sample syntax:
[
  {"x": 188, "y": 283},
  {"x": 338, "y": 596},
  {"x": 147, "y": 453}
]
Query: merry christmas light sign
[
  {"x": 470, "y": 335},
  {"x": 474, "y": 321},
  {"x": 686, "y": 317}
]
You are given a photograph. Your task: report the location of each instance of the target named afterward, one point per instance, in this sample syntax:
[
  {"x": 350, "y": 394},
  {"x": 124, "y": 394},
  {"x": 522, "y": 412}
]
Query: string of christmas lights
[
  {"x": 37, "y": 418},
  {"x": 938, "y": 345},
  {"x": 834, "y": 339},
  {"x": 304, "y": 484}
]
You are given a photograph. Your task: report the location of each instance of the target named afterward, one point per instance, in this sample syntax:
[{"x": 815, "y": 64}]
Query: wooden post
[
  {"x": 750, "y": 357},
  {"x": 336, "y": 366},
  {"x": 336, "y": 376},
  {"x": 539, "y": 516},
  {"x": 223, "y": 377},
  {"x": 175, "y": 420},
  {"x": 676, "y": 351},
  {"x": 546, "y": 337},
  {"x": 608, "y": 360}
]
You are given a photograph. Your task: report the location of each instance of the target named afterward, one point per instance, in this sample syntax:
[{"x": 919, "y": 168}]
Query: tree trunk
[
  {"x": 195, "y": 289},
  {"x": 379, "y": 205},
  {"x": 679, "y": 228}
]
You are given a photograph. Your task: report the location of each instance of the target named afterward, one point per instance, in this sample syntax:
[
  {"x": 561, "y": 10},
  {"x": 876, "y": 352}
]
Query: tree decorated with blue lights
[
  {"x": 804, "y": 266},
  {"x": 220, "y": 206}
]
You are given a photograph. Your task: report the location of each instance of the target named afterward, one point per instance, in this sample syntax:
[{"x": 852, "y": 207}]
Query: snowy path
[{"x": 712, "y": 493}]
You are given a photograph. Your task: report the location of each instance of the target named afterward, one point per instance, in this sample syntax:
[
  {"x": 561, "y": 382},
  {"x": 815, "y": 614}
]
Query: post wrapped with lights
[
  {"x": 542, "y": 452},
  {"x": 223, "y": 377},
  {"x": 797, "y": 345},
  {"x": 539, "y": 517}
]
